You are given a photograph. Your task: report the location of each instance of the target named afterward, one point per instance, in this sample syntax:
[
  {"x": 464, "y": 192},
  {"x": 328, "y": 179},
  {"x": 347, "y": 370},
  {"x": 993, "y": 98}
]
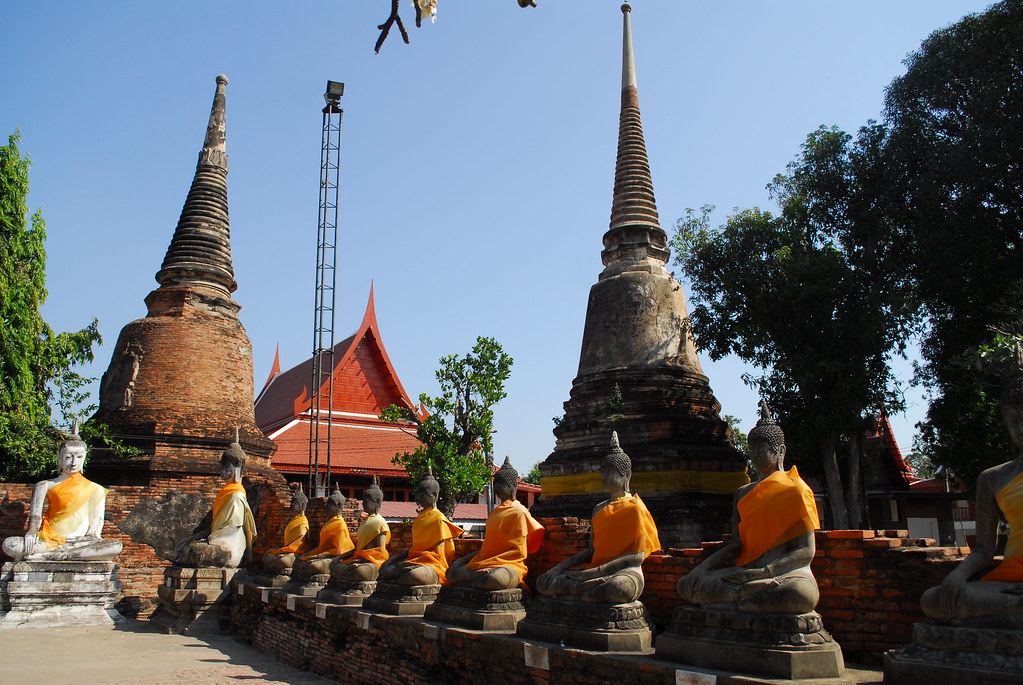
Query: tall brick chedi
[
  {"x": 180, "y": 380},
  {"x": 639, "y": 373}
]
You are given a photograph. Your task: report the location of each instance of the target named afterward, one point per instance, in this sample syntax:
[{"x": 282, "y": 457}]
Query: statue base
[
  {"x": 347, "y": 593},
  {"x": 596, "y": 627},
  {"x": 308, "y": 586},
  {"x": 263, "y": 580},
  {"x": 401, "y": 600},
  {"x": 957, "y": 655},
  {"x": 788, "y": 646},
  {"x": 51, "y": 594},
  {"x": 190, "y": 599},
  {"x": 489, "y": 610}
]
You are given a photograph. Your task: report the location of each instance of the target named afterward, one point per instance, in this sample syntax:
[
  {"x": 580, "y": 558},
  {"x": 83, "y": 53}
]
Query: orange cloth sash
[
  {"x": 778, "y": 508},
  {"x": 623, "y": 526},
  {"x": 371, "y": 528},
  {"x": 296, "y": 536},
  {"x": 512, "y": 534},
  {"x": 429, "y": 530},
  {"x": 231, "y": 508},
  {"x": 334, "y": 539},
  {"x": 68, "y": 503},
  {"x": 1010, "y": 501}
]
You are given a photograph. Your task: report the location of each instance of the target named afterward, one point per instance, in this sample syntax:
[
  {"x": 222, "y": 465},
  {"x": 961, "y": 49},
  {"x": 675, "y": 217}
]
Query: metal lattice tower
[{"x": 322, "y": 387}]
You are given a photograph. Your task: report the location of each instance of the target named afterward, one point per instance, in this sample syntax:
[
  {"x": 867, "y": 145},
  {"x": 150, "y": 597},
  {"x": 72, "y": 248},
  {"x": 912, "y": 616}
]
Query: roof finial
[{"x": 628, "y": 61}]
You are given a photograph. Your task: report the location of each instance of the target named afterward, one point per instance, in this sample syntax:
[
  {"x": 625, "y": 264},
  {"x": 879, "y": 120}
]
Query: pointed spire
[
  {"x": 200, "y": 251},
  {"x": 635, "y": 232}
]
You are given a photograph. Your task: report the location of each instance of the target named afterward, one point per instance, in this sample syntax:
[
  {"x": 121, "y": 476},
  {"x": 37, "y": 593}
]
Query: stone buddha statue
[
  {"x": 334, "y": 540},
  {"x": 982, "y": 589},
  {"x": 433, "y": 535},
  {"x": 511, "y": 535},
  {"x": 363, "y": 562},
  {"x": 610, "y": 570},
  {"x": 296, "y": 537},
  {"x": 232, "y": 528},
  {"x": 765, "y": 568},
  {"x": 65, "y": 515}
]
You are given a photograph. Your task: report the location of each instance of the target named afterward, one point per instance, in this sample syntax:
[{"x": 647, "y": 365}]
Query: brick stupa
[
  {"x": 181, "y": 379},
  {"x": 639, "y": 373}
]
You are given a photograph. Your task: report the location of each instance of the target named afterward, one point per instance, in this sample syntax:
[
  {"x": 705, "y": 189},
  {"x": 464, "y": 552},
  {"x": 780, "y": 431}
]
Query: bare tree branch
[{"x": 394, "y": 18}]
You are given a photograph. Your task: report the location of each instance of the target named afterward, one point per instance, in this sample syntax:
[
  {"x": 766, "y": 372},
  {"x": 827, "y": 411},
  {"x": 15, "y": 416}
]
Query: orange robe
[
  {"x": 778, "y": 508},
  {"x": 68, "y": 504},
  {"x": 230, "y": 509},
  {"x": 512, "y": 534},
  {"x": 334, "y": 539},
  {"x": 1010, "y": 501},
  {"x": 623, "y": 526},
  {"x": 430, "y": 529},
  {"x": 296, "y": 536},
  {"x": 370, "y": 529}
]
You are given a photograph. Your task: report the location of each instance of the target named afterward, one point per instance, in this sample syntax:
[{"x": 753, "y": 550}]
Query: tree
[
  {"x": 955, "y": 164},
  {"x": 33, "y": 359},
  {"x": 812, "y": 297},
  {"x": 455, "y": 428},
  {"x": 533, "y": 477},
  {"x": 423, "y": 9}
]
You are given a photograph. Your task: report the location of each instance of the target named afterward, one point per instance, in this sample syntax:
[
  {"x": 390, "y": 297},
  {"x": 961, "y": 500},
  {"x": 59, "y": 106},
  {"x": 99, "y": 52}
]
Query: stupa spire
[
  {"x": 635, "y": 232},
  {"x": 200, "y": 251}
]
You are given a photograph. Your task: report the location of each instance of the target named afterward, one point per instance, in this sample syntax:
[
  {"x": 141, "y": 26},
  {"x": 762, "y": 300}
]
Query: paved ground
[{"x": 134, "y": 653}]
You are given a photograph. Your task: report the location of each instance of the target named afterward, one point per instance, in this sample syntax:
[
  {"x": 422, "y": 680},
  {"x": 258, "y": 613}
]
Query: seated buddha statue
[
  {"x": 433, "y": 547},
  {"x": 982, "y": 586},
  {"x": 511, "y": 535},
  {"x": 765, "y": 568},
  {"x": 610, "y": 570},
  {"x": 296, "y": 537},
  {"x": 232, "y": 529},
  {"x": 335, "y": 539},
  {"x": 363, "y": 562},
  {"x": 65, "y": 514}
]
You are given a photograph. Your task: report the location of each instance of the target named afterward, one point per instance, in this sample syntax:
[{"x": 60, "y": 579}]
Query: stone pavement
[{"x": 134, "y": 653}]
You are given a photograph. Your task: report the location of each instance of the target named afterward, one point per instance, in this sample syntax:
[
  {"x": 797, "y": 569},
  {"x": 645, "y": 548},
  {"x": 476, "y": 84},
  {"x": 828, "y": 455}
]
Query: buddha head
[
  {"x": 335, "y": 502},
  {"x": 372, "y": 498},
  {"x": 298, "y": 502},
  {"x": 506, "y": 481},
  {"x": 766, "y": 443},
  {"x": 616, "y": 468},
  {"x": 232, "y": 461},
  {"x": 71, "y": 453},
  {"x": 428, "y": 490}
]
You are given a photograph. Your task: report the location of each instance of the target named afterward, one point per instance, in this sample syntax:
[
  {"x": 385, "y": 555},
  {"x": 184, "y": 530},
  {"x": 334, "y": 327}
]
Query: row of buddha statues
[{"x": 763, "y": 568}]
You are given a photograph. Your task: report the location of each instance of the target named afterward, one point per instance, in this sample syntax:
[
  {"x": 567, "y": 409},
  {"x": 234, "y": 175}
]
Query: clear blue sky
[{"x": 477, "y": 162}]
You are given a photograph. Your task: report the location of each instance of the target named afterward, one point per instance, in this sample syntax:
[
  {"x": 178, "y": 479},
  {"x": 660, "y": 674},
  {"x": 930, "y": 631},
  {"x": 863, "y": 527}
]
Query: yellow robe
[
  {"x": 296, "y": 536},
  {"x": 623, "y": 526},
  {"x": 231, "y": 509},
  {"x": 69, "y": 503},
  {"x": 779, "y": 508},
  {"x": 334, "y": 539},
  {"x": 372, "y": 527},
  {"x": 512, "y": 534},
  {"x": 1010, "y": 501},
  {"x": 429, "y": 530}
]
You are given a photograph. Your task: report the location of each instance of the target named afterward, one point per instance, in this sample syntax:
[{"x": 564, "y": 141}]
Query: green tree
[
  {"x": 813, "y": 298},
  {"x": 455, "y": 429},
  {"x": 954, "y": 160},
  {"x": 33, "y": 359},
  {"x": 533, "y": 477}
]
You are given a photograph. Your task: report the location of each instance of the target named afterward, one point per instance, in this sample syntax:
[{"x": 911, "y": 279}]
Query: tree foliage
[
  {"x": 812, "y": 296},
  {"x": 955, "y": 163},
  {"x": 33, "y": 359},
  {"x": 534, "y": 475},
  {"x": 455, "y": 429}
]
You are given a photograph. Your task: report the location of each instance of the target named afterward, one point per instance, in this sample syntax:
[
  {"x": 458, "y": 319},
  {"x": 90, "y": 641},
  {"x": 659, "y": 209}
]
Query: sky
[{"x": 476, "y": 163}]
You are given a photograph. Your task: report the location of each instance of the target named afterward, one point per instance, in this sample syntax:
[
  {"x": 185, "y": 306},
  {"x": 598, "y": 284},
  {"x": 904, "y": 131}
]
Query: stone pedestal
[
  {"x": 265, "y": 580},
  {"x": 49, "y": 594},
  {"x": 491, "y": 610},
  {"x": 596, "y": 627},
  {"x": 957, "y": 655},
  {"x": 788, "y": 646},
  {"x": 190, "y": 599},
  {"x": 309, "y": 586},
  {"x": 347, "y": 593},
  {"x": 401, "y": 600}
]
